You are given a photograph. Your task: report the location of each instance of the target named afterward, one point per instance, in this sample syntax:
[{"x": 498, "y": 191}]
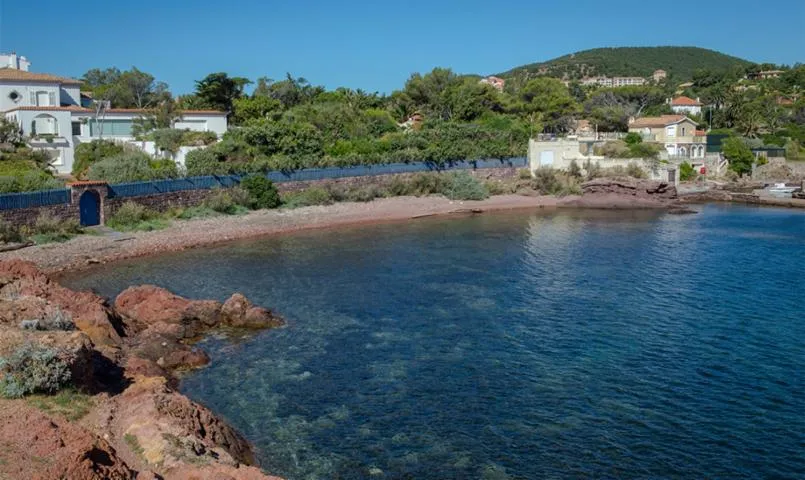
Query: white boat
[{"x": 782, "y": 188}]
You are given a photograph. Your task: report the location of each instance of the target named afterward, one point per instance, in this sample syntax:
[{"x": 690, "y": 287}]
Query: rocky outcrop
[
  {"x": 239, "y": 312},
  {"x": 89, "y": 312},
  {"x": 129, "y": 354},
  {"x": 37, "y": 446},
  {"x": 624, "y": 193}
]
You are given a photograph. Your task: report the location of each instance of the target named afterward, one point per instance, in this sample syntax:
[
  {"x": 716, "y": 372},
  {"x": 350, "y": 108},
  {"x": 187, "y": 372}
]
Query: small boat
[{"x": 782, "y": 188}]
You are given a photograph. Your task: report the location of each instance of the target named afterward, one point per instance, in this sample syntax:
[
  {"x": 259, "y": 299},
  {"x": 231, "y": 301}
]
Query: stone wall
[{"x": 188, "y": 198}]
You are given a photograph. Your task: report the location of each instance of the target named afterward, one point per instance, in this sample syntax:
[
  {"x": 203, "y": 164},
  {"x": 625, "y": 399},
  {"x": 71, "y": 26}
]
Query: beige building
[{"x": 677, "y": 133}]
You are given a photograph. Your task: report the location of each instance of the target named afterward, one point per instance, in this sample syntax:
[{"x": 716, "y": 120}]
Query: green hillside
[{"x": 679, "y": 62}]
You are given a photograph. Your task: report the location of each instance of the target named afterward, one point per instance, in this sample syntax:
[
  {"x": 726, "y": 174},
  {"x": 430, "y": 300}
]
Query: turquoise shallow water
[{"x": 551, "y": 345}]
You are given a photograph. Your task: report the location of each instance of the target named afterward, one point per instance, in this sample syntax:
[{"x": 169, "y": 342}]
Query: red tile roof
[
  {"x": 77, "y": 109},
  {"x": 12, "y": 74},
  {"x": 685, "y": 101}
]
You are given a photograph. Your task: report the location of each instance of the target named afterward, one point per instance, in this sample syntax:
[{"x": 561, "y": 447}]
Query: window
[
  {"x": 683, "y": 131},
  {"x": 77, "y": 129},
  {"x": 670, "y": 131},
  {"x": 111, "y": 128},
  {"x": 14, "y": 96}
]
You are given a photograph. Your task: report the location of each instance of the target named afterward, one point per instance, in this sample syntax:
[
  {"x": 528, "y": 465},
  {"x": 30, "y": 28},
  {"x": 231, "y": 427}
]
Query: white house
[
  {"x": 51, "y": 117},
  {"x": 686, "y": 106}
]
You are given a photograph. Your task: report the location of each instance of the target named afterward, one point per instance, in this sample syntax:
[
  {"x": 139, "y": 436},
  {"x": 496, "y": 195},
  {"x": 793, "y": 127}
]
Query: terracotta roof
[
  {"x": 658, "y": 121},
  {"x": 88, "y": 183},
  {"x": 77, "y": 109},
  {"x": 685, "y": 101},
  {"x": 13, "y": 74}
]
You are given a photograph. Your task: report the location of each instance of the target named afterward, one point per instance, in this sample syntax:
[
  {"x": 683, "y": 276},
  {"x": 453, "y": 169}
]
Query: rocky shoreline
[
  {"x": 125, "y": 355},
  {"x": 87, "y": 251}
]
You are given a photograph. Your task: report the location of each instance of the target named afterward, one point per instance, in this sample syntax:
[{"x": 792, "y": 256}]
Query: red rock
[
  {"x": 239, "y": 312},
  {"x": 36, "y": 446},
  {"x": 89, "y": 312},
  {"x": 148, "y": 304}
]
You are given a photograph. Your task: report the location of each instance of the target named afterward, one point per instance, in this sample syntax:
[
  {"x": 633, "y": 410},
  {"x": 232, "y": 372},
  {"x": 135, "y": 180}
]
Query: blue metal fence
[
  {"x": 155, "y": 187},
  {"x": 10, "y": 201}
]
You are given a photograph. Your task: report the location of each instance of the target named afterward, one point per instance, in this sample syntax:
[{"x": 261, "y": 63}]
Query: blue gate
[{"x": 90, "y": 207}]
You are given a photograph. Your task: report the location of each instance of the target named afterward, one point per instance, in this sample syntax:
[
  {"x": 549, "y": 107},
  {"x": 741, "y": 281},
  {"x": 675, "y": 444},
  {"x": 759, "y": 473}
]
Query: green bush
[
  {"x": 545, "y": 181},
  {"x": 205, "y": 162},
  {"x": 633, "y": 138},
  {"x": 48, "y": 228},
  {"x": 86, "y": 154},
  {"x": 633, "y": 170},
  {"x": 222, "y": 201},
  {"x": 131, "y": 167},
  {"x": 261, "y": 191},
  {"x": 168, "y": 139},
  {"x": 32, "y": 369},
  {"x": 307, "y": 197},
  {"x": 132, "y": 216},
  {"x": 9, "y": 233},
  {"x": 524, "y": 174},
  {"x": 686, "y": 172},
  {"x": 463, "y": 186},
  {"x": 421, "y": 184}
]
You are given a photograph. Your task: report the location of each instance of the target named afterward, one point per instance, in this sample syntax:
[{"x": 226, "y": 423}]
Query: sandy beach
[{"x": 88, "y": 250}]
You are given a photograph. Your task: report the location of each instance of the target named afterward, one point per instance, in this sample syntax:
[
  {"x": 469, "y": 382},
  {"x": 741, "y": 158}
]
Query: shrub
[
  {"x": 308, "y": 197},
  {"x": 86, "y": 154},
  {"x": 48, "y": 228},
  {"x": 366, "y": 193},
  {"x": 644, "y": 150},
  {"x": 240, "y": 196},
  {"x": 9, "y": 233},
  {"x": 686, "y": 172},
  {"x": 132, "y": 216},
  {"x": 168, "y": 139},
  {"x": 32, "y": 369},
  {"x": 261, "y": 191},
  {"x": 739, "y": 155},
  {"x": 426, "y": 184},
  {"x": 545, "y": 181},
  {"x": 574, "y": 170},
  {"x": 126, "y": 167},
  {"x": 633, "y": 138},
  {"x": 524, "y": 174},
  {"x": 463, "y": 186},
  {"x": 221, "y": 201},
  {"x": 762, "y": 160},
  {"x": 633, "y": 170},
  {"x": 205, "y": 162}
]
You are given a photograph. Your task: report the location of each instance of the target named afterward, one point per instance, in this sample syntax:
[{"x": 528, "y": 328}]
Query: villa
[
  {"x": 677, "y": 133},
  {"x": 686, "y": 106},
  {"x": 55, "y": 116}
]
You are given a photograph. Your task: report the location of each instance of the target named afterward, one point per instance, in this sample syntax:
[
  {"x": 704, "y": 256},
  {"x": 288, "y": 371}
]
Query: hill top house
[{"x": 55, "y": 117}]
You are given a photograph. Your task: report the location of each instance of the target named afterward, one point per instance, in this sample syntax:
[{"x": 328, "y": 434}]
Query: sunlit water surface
[{"x": 521, "y": 346}]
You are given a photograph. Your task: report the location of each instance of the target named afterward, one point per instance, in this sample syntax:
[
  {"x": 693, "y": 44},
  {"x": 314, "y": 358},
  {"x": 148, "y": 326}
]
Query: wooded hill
[{"x": 679, "y": 62}]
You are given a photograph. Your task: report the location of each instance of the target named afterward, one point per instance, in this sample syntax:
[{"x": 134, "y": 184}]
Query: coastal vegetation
[
  {"x": 439, "y": 116},
  {"x": 679, "y": 62}
]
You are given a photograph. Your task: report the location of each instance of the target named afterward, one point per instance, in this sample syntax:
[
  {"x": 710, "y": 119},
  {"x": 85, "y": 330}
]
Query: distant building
[
  {"x": 627, "y": 81},
  {"x": 677, "y": 133},
  {"x": 613, "y": 82},
  {"x": 496, "y": 82},
  {"x": 659, "y": 76},
  {"x": 600, "y": 81},
  {"x": 764, "y": 74},
  {"x": 686, "y": 105}
]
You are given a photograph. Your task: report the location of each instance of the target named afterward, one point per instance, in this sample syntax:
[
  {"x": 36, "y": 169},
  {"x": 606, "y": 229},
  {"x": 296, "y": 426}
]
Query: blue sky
[{"x": 375, "y": 45}]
